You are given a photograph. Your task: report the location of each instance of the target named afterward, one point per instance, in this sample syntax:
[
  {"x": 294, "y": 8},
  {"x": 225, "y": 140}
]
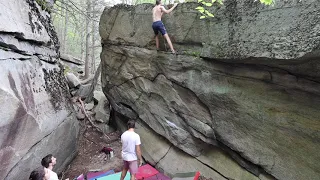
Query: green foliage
[
  {"x": 266, "y": 2},
  {"x": 192, "y": 53},
  {"x": 144, "y": 1},
  {"x": 74, "y": 38},
  {"x": 71, "y": 34},
  {"x": 42, "y": 4},
  {"x": 66, "y": 69},
  {"x": 203, "y": 4}
]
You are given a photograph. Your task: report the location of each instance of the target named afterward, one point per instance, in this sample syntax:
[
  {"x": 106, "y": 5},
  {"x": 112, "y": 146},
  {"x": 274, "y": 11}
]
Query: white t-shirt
[
  {"x": 53, "y": 175},
  {"x": 129, "y": 141}
]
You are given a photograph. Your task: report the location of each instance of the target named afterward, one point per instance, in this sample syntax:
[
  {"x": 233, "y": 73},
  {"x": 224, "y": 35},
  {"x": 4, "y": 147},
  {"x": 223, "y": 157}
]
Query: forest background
[{"x": 76, "y": 23}]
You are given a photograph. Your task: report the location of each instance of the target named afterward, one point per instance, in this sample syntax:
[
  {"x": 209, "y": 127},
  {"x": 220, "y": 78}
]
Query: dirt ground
[{"x": 89, "y": 157}]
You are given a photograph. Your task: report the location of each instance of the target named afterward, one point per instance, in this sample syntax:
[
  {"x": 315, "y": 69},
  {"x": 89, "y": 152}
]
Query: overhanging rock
[{"x": 248, "y": 81}]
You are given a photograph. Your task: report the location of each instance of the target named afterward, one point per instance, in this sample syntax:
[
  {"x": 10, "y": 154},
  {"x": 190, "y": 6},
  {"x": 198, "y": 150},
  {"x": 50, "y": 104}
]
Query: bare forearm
[
  {"x": 139, "y": 154},
  {"x": 171, "y": 9}
]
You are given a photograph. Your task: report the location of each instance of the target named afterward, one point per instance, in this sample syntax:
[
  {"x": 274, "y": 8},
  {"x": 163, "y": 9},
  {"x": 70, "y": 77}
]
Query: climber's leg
[
  {"x": 169, "y": 42},
  {"x": 157, "y": 41}
]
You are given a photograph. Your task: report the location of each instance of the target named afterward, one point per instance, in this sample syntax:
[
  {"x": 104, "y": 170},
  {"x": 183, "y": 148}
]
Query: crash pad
[
  {"x": 146, "y": 171},
  {"x": 158, "y": 176},
  {"x": 95, "y": 175},
  {"x": 80, "y": 177},
  {"x": 115, "y": 176}
]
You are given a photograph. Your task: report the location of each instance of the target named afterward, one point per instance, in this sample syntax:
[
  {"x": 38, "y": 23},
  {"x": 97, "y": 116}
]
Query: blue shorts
[{"x": 158, "y": 26}]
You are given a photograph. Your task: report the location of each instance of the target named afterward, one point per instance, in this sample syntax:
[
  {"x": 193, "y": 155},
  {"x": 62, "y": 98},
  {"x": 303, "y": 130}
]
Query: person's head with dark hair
[
  {"x": 48, "y": 160},
  {"x": 131, "y": 124},
  {"x": 41, "y": 173},
  {"x": 158, "y": 2}
]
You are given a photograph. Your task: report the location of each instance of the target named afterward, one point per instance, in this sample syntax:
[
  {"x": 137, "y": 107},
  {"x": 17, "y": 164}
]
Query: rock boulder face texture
[
  {"x": 247, "y": 83},
  {"x": 36, "y": 114}
]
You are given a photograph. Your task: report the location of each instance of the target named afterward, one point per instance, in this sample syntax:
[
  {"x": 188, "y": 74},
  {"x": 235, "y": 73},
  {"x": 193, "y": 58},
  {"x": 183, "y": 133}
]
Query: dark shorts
[
  {"x": 131, "y": 165},
  {"x": 158, "y": 26}
]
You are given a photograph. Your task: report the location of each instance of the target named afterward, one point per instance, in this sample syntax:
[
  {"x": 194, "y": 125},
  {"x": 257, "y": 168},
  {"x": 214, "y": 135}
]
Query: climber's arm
[{"x": 168, "y": 11}]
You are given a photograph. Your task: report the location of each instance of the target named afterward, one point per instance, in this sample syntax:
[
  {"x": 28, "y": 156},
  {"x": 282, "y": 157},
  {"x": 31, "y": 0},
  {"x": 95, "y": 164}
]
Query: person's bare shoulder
[{"x": 162, "y": 8}]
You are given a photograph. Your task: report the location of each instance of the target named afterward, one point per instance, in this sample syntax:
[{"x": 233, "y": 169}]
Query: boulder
[
  {"x": 99, "y": 95},
  {"x": 243, "y": 31},
  {"x": 102, "y": 110},
  {"x": 51, "y": 144},
  {"x": 72, "y": 80},
  {"x": 177, "y": 161},
  {"x": 154, "y": 147},
  {"x": 80, "y": 115},
  {"x": 89, "y": 106},
  {"x": 37, "y": 113},
  {"x": 252, "y": 90},
  {"x": 105, "y": 128},
  {"x": 214, "y": 162},
  {"x": 72, "y": 64},
  {"x": 83, "y": 90}
]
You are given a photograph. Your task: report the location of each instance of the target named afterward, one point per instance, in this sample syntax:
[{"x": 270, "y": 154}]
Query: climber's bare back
[{"x": 157, "y": 13}]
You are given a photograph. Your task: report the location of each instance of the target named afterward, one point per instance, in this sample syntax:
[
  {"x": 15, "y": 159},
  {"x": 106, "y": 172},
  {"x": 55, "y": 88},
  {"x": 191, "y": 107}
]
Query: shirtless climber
[{"x": 157, "y": 25}]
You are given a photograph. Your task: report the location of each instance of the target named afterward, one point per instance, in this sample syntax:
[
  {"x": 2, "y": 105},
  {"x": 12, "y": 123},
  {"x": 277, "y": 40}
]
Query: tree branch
[{"x": 89, "y": 119}]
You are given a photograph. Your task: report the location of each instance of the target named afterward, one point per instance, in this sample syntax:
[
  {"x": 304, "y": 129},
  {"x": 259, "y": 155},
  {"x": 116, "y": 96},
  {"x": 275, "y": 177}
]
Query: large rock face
[
  {"x": 36, "y": 114},
  {"x": 247, "y": 83}
]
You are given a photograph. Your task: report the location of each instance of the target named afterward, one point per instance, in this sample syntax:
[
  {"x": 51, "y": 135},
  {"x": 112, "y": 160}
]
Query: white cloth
[
  {"x": 129, "y": 141},
  {"x": 53, "y": 175}
]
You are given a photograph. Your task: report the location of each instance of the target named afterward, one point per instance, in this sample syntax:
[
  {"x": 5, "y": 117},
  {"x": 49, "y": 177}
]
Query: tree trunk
[
  {"x": 82, "y": 36},
  {"x": 93, "y": 68},
  {"x": 82, "y": 44},
  {"x": 61, "y": 24},
  {"x": 87, "y": 61},
  {"x": 65, "y": 30}
]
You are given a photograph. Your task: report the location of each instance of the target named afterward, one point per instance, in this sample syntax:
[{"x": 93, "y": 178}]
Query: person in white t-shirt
[
  {"x": 48, "y": 162},
  {"x": 130, "y": 151}
]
